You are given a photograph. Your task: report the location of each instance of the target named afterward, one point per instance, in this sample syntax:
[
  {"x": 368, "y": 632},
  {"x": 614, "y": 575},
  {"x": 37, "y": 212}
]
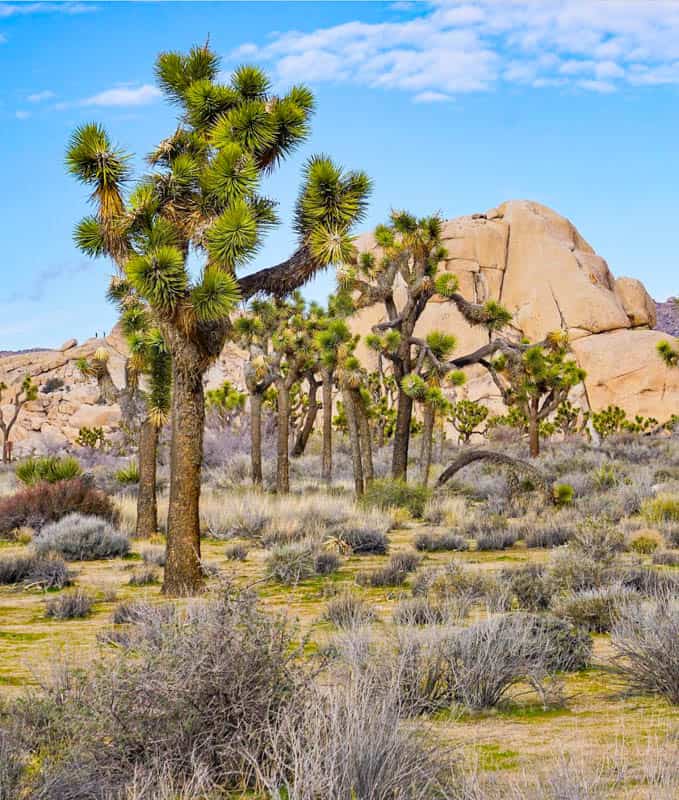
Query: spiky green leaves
[
  {"x": 441, "y": 344},
  {"x": 330, "y": 245},
  {"x": 89, "y": 237},
  {"x": 249, "y": 124},
  {"x": 446, "y": 284},
  {"x": 497, "y": 316},
  {"x": 160, "y": 277},
  {"x": 414, "y": 386},
  {"x": 232, "y": 175},
  {"x": 251, "y": 82},
  {"x": 207, "y": 101},
  {"x": 669, "y": 354},
  {"x": 216, "y": 295},
  {"x": 175, "y": 72},
  {"x": 233, "y": 237}
]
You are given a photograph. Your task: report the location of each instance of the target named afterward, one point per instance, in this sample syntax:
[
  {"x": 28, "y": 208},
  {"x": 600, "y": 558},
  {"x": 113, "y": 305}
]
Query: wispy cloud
[
  {"x": 40, "y": 284},
  {"x": 40, "y": 97},
  {"x": 455, "y": 46},
  {"x": 22, "y": 114},
  {"x": 3, "y": 38},
  {"x": 118, "y": 96},
  {"x": 22, "y": 9}
]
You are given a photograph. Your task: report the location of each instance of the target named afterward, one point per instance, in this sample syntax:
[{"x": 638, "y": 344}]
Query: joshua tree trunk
[
  {"x": 533, "y": 431},
  {"x": 183, "y": 574},
  {"x": 256, "y": 400},
  {"x": 147, "y": 507},
  {"x": 404, "y": 412},
  {"x": 283, "y": 433},
  {"x": 326, "y": 469},
  {"x": 354, "y": 441},
  {"x": 309, "y": 419},
  {"x": 365, "y": 437},
  {"x": 427, "y": 439}
]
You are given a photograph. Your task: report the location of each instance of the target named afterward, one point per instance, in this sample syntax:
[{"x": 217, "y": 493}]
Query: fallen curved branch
[{"x": 470, "y": 456}]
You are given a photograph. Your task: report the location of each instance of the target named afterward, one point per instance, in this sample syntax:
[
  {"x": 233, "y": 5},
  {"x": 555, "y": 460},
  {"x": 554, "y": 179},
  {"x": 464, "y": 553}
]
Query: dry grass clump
[
  {"x": 236, "y": 552},
  {"x": 595, "y": 609},
  {"x": 292, "y": 563},
  {"x": 153, "y": 555},
  {"x": 666, "y": 558},
  {"x": 447, "y": 510},
  {"x": 663, "y": 508},
  {"x": 70, "y": 605},
  {"x": 645, "y": 541},
  {"x": 348, "y": 610},
  {"x": 394, "y": 573},
  {"x": 454, "y": 582},
  {"x": 34, "y": 571},
  {"x": 146, "y": 576},
  {"x": 431, "y": 542}
]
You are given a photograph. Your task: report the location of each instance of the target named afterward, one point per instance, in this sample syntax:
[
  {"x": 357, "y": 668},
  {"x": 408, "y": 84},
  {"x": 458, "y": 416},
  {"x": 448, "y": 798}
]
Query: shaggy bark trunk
[
  {"x": 354, "y": 441},
  {"x": 326, "y": 468},
  {"x": 283, "y": 433},
  {"x": 147, "y": 507},
  {"x": 404, "y": 413},
  {"x": 309, "y": 421},
  {"x": 183, "y": 574},
  {"x": 427, "y": 440},
  {"x": 533, "y": 434},
  {"x": 256, "y": 400},
  {"x": 365, "y": 438}
]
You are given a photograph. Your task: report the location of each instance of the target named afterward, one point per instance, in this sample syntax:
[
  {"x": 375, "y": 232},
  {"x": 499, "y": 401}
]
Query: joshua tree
[
  {"x": 669, "y": 353},
  {"x": 535, "y": 379},
  {"x": 466, "y": 416},
  {"x": 97, "y": 367},
  {"x": 226, "y": 401},
  {"x": 202, "y": 198},
  {"x": 409, "y": 250},
  {"x": 310, "y": 411},
  {"x": 24, "y": 394}
]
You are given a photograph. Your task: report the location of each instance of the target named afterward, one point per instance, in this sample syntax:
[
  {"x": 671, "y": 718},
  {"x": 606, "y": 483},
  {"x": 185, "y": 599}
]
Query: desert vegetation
[{"x": 267, "y": 590}]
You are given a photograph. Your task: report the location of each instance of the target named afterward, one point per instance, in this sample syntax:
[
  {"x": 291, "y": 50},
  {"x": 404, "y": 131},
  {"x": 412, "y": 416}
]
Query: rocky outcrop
[{"x": 535, "y": 262}]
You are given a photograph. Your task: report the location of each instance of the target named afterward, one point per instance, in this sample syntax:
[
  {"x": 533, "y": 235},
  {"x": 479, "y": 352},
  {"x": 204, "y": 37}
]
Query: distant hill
[
  {"x": 668, "y": 316},
  {"x": 21, "y": 352}
]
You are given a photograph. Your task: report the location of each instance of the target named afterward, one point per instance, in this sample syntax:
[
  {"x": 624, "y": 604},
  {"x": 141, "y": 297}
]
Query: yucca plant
[
  {"x": 48, "y": 468},
  {"x": 202, "y": 197}
]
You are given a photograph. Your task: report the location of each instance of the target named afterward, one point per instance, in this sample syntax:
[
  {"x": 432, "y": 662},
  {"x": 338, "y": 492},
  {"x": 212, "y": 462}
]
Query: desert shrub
[
  {"x": 45, "y": 502},
  {"x": 547, "y": 533},
  {"x": 388, "y": 575},
  {"x": 128, "y": 474},
  {"x": 153, "y": 555},
  {"x": 144, "y": 577},
  {"x": 670, "y": 533},
  {"x": 563, "y": 494},
  {"x": 567, "y": 647},
  {"x": 77, "y": 537},
  {"x": 206, "y": 686},
  {"x": 666, "y": 558},
  {"x": 496, "y": 539},
  {"x": 327, "y": 562},
  {"x": 291, "y": 563},
  {"x": 47, "y": 468},
  {"x": 70, "y": 605},
  {"x": 131, "y": 611},
  {"x": 663, "y": 508},
  {"x": 456, "y": 583},
  {"x": 528, "y": 585},
  {"x": 437, "y": 542},
  {"x": 52, "y": 385},
  {"x": 236, "y": 552},
  {"x": 598, "y": 540},
  {"x": 645, "y": 641},
  {"x": 385, "y": 494},
  {"x": 594, "y": 609},
  {"x": 44, "y": 572},
  {"x": 443, "y": 509},
  {"x": 420, "y": 611},
  {"x": 644, "y": 542},
  {"x": 407, "y": 561},
  {"x": 348, "y": 610},
  {"x": 570, "y": 570},
  {"x": 363, "y": 539}
]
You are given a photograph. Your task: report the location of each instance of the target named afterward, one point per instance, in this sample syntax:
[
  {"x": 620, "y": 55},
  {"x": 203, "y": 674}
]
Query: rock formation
[
  {"x": 534, "y": 262},
  {"x": 522, "y": 254}
]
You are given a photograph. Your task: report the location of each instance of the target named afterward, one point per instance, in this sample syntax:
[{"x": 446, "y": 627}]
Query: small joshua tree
[
  {"x": 97, "y": 367},
  {"x": 467, "y": 417},
  {"x": 203, "y": 198},
  {"x": 535, "y": 380},
  {"x": 26, "y": 392}
]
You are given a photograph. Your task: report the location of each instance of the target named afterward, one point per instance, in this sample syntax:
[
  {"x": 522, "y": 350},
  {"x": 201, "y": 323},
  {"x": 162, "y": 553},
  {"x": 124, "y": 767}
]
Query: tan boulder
[
  {"x": 69, "y": 344},
  {"x": 95, "y": 417},
  {"x": 637, "y": 302}
]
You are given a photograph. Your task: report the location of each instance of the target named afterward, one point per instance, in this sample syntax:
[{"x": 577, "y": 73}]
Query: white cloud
[
  {"x": 39, "y": 97},
  {"x": 22, "y": 9},
  {"x": 22, "y": 114},
  {"x": 455, "y": 46},
  {"x": 432, "y": 97},
  {"x": 124, "y": 96},
  {"x": 3, "y": 38}
]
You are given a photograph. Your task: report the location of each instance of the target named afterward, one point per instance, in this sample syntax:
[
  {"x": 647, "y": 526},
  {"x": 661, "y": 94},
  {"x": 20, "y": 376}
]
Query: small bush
[
  {"x": 550, "y": 533},
  {"x": 71, "y": 605},
  {"x": 529, "y": 586},
  {"x": 82, "y": 538},
  {"x": 645, "y": 542},
  {"x": 405, "y": 561},
  {"x": 364, "y": 539},
  {"x": 131, "y": 611},
  {"x": 327, "y": 562},
  {"x": 144, "y": 577},
  {"x": 563, "y": 494},
  {"x": 598, "y": 540},
  {"x": 666, "y": 558},
  {"x": 594, "y": 609},
  {"x": 420, "y": 611},
  {"x": 663, "y": 508},
  {"x": 236, "y": 552},
  {"x": 388, "y": 575},
  {"x": 128, "y": 475},
  {"x": 154, "y": 555},
  {"x": 445, "y": 510},
  {"x": 438, "y": 542},
  {"x": 52, "y": 385},
  {"x": 499, "y": 539},
  {"x": 671, "y": 534},
  {"x": 348, "y": 610},
  {"x": 645, "y": 640},
  {"x": 291, "y": 563},
  {"x": 44, "y": 572},
  {"x": 46, "y": 502},
  {"x": 572, "y": 571},
  {"x": 567, "y": 647},
  {"x": 48, "y": 468},
  {"x": 386, "y": 494}
]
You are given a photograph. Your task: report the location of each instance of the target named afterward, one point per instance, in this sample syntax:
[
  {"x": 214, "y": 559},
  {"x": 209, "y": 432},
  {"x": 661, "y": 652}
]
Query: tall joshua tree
[
  {"x": 27, "y": 392},
  {"x": 202, "y": 198}
]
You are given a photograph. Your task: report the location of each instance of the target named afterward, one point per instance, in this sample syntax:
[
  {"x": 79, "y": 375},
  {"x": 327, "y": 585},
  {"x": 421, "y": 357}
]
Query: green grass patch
[
  {"x": 492, "y": 757},
  {"x": 22, "y": 636}
]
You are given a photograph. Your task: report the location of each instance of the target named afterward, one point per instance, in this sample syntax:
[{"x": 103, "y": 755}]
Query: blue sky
[{"x": 450, "y": 107}]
